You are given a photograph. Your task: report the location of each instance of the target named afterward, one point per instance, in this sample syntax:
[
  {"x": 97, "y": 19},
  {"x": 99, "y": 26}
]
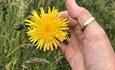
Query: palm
[{"x": 73, "y": 45}]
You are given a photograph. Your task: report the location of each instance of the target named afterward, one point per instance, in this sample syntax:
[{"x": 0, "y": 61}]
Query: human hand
[{"x": 95, "y": 48}]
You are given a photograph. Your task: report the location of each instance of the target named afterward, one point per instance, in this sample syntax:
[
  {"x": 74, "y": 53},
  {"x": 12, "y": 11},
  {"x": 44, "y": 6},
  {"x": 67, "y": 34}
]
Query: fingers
[
  {"x": 73, "y": 54},
  {"x": 72, "y": 22},
  {"x": 64, "y": 14},
  {"x": 62, "y": 48},
  {"x": 70, "y": 48},
  {"x": 79, "y": 34}
]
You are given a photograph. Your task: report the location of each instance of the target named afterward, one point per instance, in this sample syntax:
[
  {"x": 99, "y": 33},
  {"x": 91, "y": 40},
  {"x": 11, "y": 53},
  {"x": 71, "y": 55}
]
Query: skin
[{"x": 89, "y": 49}]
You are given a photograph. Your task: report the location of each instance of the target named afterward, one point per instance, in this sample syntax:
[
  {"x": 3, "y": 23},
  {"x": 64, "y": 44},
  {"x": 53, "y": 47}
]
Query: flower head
[{"x": 47, "y": 30}]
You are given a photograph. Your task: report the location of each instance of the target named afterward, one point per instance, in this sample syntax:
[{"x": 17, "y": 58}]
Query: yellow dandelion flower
[{"x": 47, "y": 30}]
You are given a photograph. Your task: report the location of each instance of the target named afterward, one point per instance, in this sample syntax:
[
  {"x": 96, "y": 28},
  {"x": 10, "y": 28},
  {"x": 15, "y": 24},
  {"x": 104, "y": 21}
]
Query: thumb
[
  {"x": 72, "y": 8},
  {"x": 77, "y": 12}
]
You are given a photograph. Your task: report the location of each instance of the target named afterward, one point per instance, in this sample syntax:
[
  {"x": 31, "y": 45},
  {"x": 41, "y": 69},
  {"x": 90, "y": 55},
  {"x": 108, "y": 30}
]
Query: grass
[{"x": 17, "y": 53}]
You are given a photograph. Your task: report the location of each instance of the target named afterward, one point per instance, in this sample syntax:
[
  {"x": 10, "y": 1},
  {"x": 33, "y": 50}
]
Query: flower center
[{"x": 48, "y": 29}]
